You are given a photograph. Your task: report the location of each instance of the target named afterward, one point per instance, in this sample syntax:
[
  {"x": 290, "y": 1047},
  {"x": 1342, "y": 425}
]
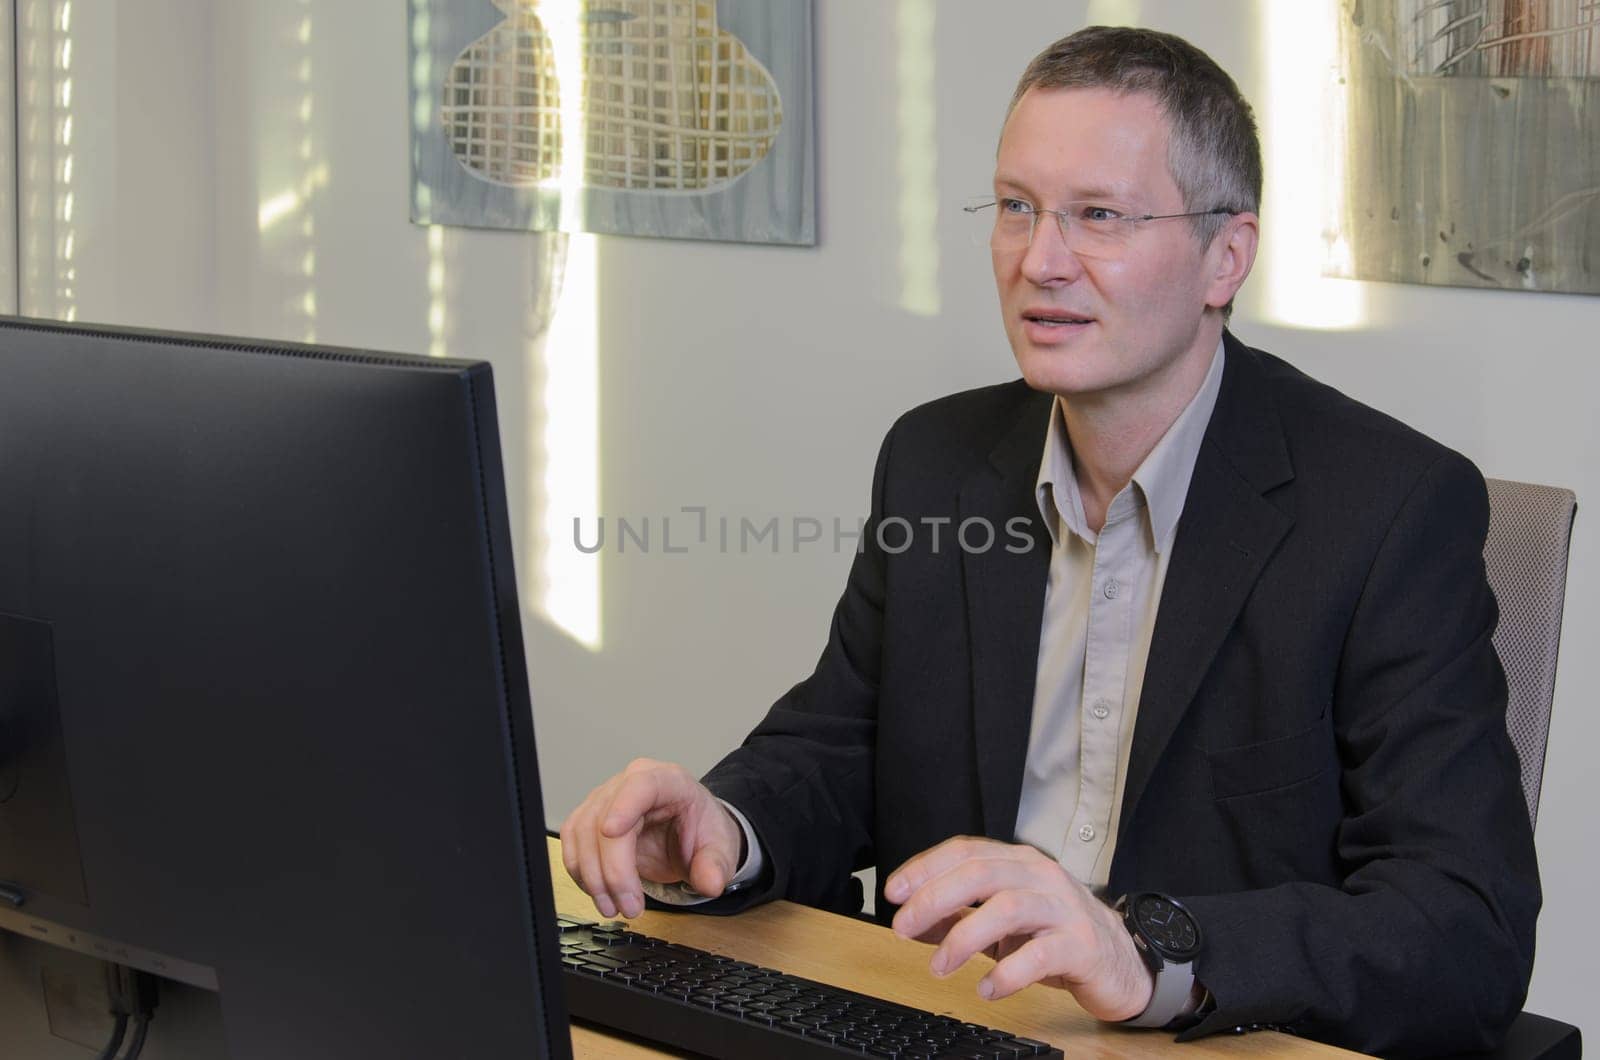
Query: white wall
[{"x": 756, "y": 381}]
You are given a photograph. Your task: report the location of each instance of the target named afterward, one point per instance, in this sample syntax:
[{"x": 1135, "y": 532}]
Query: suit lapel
[
  {"x": 1005, "y": 603},
  {"x": 1228, "y": 532}
]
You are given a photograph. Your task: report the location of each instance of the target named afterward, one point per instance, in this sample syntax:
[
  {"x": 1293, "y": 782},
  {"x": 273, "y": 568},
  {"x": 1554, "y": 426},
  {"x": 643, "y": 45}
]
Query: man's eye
[
  {"x": 1016, "y": 206},
  {"x": 1092, "y": 212}
]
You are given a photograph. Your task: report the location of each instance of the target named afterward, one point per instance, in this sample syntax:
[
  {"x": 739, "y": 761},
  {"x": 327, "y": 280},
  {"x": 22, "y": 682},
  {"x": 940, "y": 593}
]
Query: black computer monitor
[{"x": 264, "y": 715}]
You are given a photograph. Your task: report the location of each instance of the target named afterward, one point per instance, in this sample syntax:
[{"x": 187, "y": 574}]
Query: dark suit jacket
[{"x": 1320, "y": 766}]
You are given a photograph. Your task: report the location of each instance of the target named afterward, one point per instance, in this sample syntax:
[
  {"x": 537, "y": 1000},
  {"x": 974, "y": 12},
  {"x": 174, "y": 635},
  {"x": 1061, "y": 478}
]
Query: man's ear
[{"x": 1230, "y": 257}]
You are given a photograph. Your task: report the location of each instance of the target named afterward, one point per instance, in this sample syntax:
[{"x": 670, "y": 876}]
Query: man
[{"x": 1229, "y": 643}]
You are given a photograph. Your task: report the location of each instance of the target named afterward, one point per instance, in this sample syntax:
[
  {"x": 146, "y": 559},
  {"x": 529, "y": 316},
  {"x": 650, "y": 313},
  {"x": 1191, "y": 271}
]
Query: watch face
[{"x": 1168, "y": 926}]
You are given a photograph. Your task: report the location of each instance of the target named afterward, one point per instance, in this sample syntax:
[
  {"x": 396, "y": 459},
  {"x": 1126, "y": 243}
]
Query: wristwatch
[{"x": 1168, "y": 937}]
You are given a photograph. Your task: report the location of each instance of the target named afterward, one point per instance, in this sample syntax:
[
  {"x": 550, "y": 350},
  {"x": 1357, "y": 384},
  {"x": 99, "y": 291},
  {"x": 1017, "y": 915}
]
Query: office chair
[{"x": 1530, "y": 532}]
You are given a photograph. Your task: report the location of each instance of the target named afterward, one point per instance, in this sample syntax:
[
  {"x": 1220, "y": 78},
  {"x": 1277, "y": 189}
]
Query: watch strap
[{"x": 1173, "y": 985}]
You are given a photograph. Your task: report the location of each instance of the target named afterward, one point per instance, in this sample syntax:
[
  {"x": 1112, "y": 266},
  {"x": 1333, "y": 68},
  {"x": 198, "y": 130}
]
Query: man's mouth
[{"x": 1057, "y": 320}]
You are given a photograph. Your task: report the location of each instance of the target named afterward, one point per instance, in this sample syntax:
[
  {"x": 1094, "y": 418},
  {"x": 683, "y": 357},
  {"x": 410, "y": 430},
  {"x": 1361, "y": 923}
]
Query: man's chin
[{"x": 1055, "y": 373}]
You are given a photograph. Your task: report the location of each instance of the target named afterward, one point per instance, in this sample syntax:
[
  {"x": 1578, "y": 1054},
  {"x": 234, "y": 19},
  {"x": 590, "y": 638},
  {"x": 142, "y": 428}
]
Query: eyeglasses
[{"x": 1093, "y": 229}]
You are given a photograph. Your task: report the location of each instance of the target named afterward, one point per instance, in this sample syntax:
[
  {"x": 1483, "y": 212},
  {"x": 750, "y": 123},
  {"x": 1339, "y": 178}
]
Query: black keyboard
[{"x": 731, "y": 1010}]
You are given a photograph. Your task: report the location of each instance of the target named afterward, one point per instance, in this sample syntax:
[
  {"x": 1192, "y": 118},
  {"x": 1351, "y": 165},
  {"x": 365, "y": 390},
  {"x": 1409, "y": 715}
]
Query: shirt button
[
  {"x": 1086, "y": 833},
  {"x": 1112, "y": 588},
  {"x": 1102, "y": 711}
]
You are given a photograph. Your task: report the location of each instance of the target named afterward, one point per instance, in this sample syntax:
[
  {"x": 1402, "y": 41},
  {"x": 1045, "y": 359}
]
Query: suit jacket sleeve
[
  {"x": 1428, "y": 944},
  {"x": 804, "y": 776}
]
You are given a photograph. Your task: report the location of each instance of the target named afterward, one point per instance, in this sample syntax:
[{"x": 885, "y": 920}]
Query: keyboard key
[
  {"x": 968, "y": 1043},
  {"x": 631, "y": 952}
]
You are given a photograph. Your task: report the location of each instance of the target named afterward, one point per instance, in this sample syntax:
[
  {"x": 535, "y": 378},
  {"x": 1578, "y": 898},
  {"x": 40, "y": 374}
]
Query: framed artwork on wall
[
  {"x": 687, "y": 119},
  {"x": 1472, "y": 129}
]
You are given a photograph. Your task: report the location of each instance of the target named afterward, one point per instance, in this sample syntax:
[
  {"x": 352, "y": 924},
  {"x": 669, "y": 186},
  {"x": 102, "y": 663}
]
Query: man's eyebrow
[
  {"x": 1010, "y": 183},
  {"x": 1071, "y": 194},
  {"x": 1102, "y": 191}
]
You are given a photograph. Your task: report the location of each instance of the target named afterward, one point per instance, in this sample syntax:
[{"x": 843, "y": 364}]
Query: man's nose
[{"x": 1049, "y": 257}]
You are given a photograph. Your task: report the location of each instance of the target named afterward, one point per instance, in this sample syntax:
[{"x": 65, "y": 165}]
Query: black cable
[
  {"x": 110, "y": 1051},
  {"x": 141, "y": 1027},
  {"x": 131, "y": 994}
]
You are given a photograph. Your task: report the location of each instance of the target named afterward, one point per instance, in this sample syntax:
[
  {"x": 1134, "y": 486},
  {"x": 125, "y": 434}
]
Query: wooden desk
[{"x": 868, "y": 958}]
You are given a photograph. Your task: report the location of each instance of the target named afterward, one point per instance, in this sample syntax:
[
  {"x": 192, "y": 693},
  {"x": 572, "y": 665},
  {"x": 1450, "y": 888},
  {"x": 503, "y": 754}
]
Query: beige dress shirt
[{"x": 1099, "y": 610}]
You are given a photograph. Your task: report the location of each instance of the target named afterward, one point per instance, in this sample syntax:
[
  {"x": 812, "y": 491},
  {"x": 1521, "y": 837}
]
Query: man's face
[{"x": 1131, "y": 315}]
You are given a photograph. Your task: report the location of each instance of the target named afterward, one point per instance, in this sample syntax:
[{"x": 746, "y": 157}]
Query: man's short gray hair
[{"x": 1214, "y": 154}]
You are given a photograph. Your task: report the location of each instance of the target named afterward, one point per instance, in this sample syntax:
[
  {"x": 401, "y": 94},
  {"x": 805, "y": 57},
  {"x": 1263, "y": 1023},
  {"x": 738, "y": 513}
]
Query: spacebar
[{"x": 609, "y": 1003}]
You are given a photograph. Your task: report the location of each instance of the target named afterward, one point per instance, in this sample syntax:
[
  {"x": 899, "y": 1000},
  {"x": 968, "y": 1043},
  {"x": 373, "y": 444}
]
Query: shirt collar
[{"x": 1160, "y": 484}]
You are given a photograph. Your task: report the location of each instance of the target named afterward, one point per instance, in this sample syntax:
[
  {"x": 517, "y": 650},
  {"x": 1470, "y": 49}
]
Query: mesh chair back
[{"x": 1530, "y": 531}]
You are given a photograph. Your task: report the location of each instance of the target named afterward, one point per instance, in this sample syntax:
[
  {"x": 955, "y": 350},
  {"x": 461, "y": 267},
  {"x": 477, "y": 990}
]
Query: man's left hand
[{"x": 1038, "y": 923}]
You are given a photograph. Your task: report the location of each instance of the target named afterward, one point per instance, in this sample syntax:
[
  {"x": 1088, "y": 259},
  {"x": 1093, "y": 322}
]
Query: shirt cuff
[{"x": 749, "y": 869}]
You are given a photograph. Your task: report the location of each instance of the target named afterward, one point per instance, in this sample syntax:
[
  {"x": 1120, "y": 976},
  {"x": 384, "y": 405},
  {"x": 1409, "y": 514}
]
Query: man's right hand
[{"x": 653, "y": 820}]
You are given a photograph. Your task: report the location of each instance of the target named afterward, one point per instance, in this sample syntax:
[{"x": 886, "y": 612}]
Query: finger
[
  {"x": 667, "y": 842},
  {"x": 619, "y": 867},
  {"x": 1009, "y": 915},
  {"x": 905, "y": 880},
  {"x": 971, "y": 881},
  {"x": 938, "y": 931},
  {"x": 592, "y": 838},
  {"x": 585, "y": 841},
  {"x": 569, "y": 853},
  {"x": 643, "y": 788},
  {"x": 715, "y": 844},
  {"x": 1033, "y": 961},
  {"x": 710, "y": 871}
]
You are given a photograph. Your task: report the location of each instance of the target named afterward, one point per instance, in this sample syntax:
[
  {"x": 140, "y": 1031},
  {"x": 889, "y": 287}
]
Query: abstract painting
[
  {"x": 1473, "y": 135},
  {"x": 681, "y": 118}
]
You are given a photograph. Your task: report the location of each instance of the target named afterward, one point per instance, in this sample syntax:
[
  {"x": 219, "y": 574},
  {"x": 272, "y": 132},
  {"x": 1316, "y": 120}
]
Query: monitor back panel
[{"x": 289, "y": 684}]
